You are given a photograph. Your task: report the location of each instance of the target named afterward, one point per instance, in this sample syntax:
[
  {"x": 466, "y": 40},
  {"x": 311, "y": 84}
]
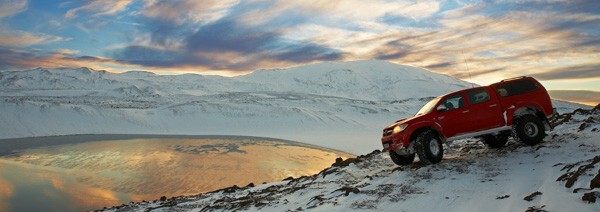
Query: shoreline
[{"x": 9, "y": 146}]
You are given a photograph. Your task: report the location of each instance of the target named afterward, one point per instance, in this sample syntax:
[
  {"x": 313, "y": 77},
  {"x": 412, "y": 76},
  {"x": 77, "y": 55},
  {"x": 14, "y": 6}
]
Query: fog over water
[{"x": 93, "y": 171}]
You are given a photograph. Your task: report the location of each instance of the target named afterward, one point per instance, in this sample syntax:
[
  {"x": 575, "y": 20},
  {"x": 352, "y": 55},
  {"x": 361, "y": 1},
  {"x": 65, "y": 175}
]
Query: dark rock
[
  {"x": 339, "y": 162},
  {"x": 571, "y": 177},
  {"x": 583, "y": 111},
  {"x": 532, "y": 196},
  {"x": 536, "y": 209},
  {"x": 231, "y": 189},
  {"x": 348, "y": 189},
  {"x": 318, "y": 198},
  {"x": 503, "y": 197},
  {"x": 583, "y": 126},
  {"x": 327, "y": 171},
  {"x": 589, "y": 120},
  {"x": 288, "y": 178},
  {"x": 399, "y": 168},
  {"x": 590, "y": 197},
  {"x": 260, "y": 204},
  {"x": 595, "y": 183},
  {"x": 250, "y": 185},
  {"x": 163, "y": 198}
]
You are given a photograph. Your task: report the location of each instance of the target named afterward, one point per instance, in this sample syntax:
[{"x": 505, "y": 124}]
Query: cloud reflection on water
[
  {"x": 6, "y": 191},
  {"x": 92, "y": 175}
]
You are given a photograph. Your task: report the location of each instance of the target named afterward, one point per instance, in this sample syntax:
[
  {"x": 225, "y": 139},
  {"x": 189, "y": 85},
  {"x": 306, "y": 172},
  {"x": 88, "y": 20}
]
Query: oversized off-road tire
[
  {"x": 401, "y": 160},
  {"x": 428, "y": 146},
  {"x": 529, "y": 129},
  {"x": 496, "y": 141}
]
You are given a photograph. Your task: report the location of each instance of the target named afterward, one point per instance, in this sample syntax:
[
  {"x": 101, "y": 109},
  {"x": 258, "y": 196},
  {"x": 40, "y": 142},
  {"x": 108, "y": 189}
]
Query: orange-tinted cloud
[{"x": 24, "y": 39}]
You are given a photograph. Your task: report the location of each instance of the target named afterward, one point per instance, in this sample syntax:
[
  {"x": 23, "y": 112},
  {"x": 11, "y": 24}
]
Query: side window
[
  {"x": 516, "y": 87},
  {"x": 450, "y": 103},
  {"x": 478, "y": 96}
]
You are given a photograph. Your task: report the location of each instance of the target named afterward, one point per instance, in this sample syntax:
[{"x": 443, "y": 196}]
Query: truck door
[
  {"x": 483, "y": 111},
  {"x": 449, "y": 114}
]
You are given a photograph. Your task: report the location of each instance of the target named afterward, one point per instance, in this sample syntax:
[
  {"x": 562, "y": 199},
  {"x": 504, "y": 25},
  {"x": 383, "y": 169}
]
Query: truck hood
[{"x": 402, "y": 121}]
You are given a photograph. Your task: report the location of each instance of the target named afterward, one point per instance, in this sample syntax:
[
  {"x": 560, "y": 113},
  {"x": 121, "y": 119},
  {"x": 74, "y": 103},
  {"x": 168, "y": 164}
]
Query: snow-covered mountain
[
  {"x": 560, "y": 174},
  {"x": 341, "y": 105}
]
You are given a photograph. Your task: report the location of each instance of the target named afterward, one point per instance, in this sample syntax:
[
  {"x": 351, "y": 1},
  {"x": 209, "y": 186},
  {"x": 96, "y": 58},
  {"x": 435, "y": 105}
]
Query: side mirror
[{"x": 441, "y": 108}]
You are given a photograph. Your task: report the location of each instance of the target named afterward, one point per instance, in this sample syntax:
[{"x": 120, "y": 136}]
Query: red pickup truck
[{"x": 519, "y": 107}]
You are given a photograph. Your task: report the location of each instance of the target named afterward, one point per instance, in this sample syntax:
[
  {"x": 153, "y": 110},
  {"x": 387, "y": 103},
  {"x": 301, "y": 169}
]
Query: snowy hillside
[
  {"x": 341, "y": 105},
  {"x": 560, "y": 174}
]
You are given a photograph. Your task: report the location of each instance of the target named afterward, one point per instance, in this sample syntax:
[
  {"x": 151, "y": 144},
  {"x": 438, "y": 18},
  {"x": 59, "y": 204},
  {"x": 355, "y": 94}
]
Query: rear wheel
[
  {"x": 401, "y": 160},
  {"x": 496, "y": 141},
  {"x": 529, "y": 129},
  {"x": 429, "y": 147}
]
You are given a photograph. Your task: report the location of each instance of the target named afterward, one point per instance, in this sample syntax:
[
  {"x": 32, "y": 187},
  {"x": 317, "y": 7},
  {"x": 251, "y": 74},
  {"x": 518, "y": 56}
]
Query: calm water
[{"x": 73, "y": 173}]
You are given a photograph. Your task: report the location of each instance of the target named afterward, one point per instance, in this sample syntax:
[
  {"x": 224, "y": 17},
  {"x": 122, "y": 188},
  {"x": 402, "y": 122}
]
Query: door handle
[
  {"x": 494, "y": 105},
  {"x": 465, "y": 111}
]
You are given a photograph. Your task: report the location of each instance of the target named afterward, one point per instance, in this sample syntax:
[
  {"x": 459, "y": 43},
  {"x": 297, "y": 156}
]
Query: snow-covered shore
[{"x": 560, "y": 174}]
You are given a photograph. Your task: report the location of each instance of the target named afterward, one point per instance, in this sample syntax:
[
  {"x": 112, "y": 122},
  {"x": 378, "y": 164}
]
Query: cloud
[
  {"x": 67, "y": 51},
  {"x": 24, "y": 39},
  {"x": 342, "y": 11},
  {"x": 227, "y": 45},
  {"x": 22, "y": 59},
  {"x": 187, "y": 11},
  {"x": 12, "y": 7},
  {"x": 571, "y": 72},
  {"x": 99, "y": 7},
  {"x": 227, "y": 35},
  {"x": 509, "y": 44}
]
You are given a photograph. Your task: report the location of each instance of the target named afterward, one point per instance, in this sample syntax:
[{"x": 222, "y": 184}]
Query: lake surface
[{"x": 86, "y": 172}]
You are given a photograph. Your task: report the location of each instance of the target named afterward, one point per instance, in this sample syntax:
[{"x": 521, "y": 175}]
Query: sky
[{"x": 556, "y": 41}]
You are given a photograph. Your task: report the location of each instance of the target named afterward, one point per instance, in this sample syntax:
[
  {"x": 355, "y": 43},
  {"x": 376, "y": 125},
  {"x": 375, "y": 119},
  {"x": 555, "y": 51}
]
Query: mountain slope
[
  {"x": 342, "y": 105},
  {"x": 560, "y": 174},
  {"x": 366, "y": 80}
]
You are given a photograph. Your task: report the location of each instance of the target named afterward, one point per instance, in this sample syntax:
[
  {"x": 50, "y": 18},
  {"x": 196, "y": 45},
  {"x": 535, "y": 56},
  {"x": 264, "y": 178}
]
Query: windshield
[{"x": 428, "y": 107}]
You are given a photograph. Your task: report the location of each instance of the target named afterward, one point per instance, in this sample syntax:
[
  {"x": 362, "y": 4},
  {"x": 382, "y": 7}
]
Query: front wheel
[
  {"x": 429, "y": 147},
  {"x": 401, "y": 160},
  {"x": 529, "y": 129}
]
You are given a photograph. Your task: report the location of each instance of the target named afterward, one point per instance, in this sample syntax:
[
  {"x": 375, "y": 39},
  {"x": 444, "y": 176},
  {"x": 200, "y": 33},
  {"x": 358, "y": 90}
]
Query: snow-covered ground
[
  {"x": 560, "y": 174},
  {"x": 341, "y": 105}
]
